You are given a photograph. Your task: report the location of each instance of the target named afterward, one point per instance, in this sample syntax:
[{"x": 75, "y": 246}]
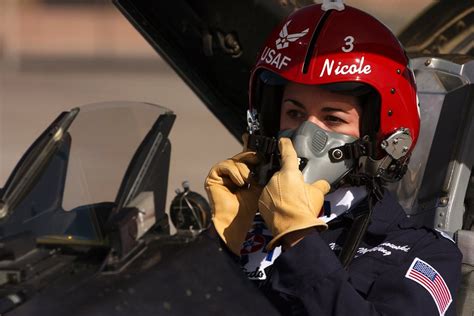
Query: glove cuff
[
  {"x": 316, "y": 222},
  {"x": 233, "y": 231}
]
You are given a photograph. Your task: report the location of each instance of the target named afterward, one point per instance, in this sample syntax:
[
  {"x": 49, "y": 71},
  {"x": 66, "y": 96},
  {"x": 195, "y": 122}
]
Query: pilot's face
[{"x": 331, "y": 111}]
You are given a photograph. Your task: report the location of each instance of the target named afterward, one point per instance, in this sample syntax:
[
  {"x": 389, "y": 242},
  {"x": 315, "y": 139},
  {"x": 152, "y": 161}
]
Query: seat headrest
[{"x": 465, "y": 241}]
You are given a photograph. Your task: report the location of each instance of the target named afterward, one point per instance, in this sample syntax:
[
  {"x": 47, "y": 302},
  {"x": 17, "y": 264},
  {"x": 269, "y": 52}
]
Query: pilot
[{"x": 322, "y": 235}]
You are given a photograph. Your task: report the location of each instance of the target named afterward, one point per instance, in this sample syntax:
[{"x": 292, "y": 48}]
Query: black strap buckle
[
  {"x": 352, "y": 150},
  {"x": 263, "y": 144}
]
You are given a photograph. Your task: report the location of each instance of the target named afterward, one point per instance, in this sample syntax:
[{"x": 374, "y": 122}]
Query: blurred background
[{"x": 58, "y": 54}]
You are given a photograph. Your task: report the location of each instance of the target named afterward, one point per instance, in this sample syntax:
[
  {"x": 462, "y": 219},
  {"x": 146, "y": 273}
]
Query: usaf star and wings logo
[{"x": 285, "y": 39}]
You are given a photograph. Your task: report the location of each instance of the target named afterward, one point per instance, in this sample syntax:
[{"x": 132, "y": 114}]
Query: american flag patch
[{"x": 425, "y": 275}]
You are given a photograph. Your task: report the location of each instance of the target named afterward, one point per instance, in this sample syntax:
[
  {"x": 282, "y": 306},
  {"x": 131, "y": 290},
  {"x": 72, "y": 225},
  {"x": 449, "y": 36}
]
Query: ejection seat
[{"x": 438, "y": 188}]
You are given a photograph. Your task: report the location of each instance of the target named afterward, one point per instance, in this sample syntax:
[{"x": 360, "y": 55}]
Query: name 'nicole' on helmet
[{"x": 347, "y": 51}]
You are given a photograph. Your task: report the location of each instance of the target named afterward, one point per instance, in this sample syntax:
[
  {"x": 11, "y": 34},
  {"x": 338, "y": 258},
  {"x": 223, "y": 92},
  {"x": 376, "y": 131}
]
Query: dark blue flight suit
[{"x": 308, "y": 279}]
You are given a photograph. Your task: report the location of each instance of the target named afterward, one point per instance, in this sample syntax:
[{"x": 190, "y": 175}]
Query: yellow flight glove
[
  {"x": 233, "y": 198},
  {"x": 287, "y": 203}
]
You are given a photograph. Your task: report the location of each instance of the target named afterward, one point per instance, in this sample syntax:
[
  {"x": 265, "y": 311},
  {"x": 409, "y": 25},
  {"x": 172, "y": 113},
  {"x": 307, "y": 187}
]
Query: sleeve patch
[{"x": 425, "y": 275}]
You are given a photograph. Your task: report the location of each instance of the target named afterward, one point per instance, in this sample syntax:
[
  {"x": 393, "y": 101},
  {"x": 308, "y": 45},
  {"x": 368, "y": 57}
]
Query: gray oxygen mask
[{"x": 312, "y": 145}]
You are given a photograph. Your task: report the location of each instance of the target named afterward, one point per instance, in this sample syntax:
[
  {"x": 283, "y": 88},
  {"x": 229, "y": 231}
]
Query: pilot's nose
[{"x": 314, "y": 119}]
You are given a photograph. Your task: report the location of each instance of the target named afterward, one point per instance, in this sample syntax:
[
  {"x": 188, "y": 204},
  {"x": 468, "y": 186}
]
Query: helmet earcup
[{"x": 269, "y": 102}]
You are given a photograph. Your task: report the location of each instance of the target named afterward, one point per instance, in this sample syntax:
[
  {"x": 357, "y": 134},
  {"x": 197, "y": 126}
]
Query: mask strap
[
  {"x": 354, "y": 150},
  {"x": 362, "y": 215}
]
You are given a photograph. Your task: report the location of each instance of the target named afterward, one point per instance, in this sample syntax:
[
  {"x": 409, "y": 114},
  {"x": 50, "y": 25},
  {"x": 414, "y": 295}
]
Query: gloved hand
[
  {"x": 233, "y": 198},
  {"x": 287, "y": 203}
]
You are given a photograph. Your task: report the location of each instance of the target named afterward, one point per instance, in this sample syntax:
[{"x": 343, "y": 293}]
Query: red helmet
[{"x": 314, "y": 46}]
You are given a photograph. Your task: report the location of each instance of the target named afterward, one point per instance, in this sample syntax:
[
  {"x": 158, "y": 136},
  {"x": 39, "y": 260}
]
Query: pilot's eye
[
  {"x": 334, "y": 120},
  {"x": 296, "y": 114}
]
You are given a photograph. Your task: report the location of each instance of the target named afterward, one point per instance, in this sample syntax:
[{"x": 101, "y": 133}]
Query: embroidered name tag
[
  {"x": 385, "y": 248},
  {"x": 425, "y": 275}
]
